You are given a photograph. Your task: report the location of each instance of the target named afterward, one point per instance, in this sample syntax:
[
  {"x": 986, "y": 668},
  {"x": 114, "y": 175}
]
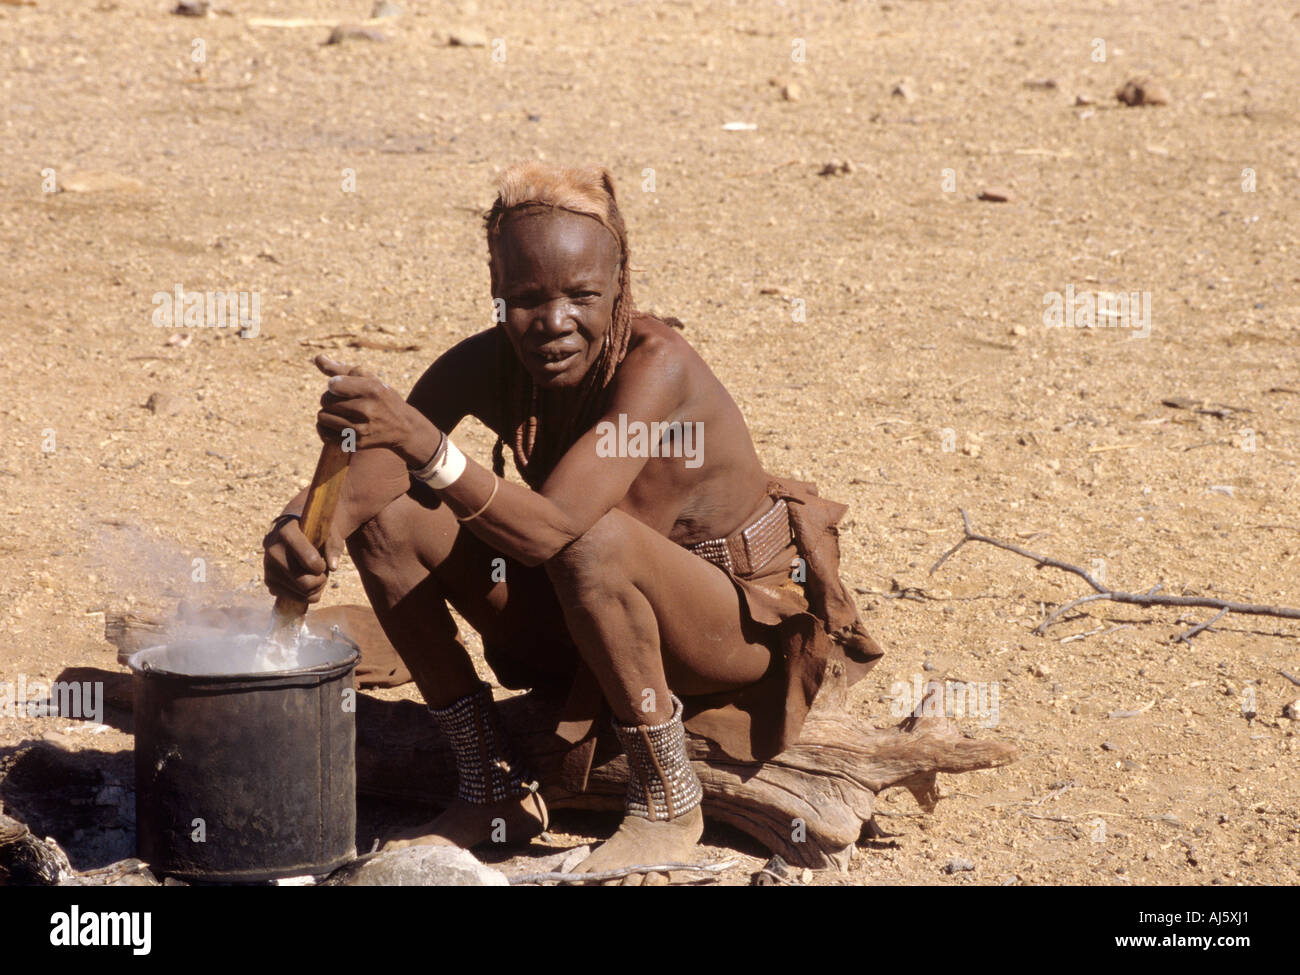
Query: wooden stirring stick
[{"x": 322, "y": 500}]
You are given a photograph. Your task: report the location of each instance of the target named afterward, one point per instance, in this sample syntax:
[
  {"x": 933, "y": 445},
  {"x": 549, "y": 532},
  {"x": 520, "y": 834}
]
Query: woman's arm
[{"x": 527, "y": 525}]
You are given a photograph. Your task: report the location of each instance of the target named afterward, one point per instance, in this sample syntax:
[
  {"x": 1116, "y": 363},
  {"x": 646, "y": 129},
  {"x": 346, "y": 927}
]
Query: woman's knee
[{"x": 399, "y": 534}]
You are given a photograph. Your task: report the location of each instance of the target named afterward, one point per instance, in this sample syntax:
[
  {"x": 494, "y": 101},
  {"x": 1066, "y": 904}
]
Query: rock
[
  {"x": 418, "y": 866},
  {"x": 835, "y": 168},
  {"x": 350, "y": 32},
  {"x": 772, "y": 874},
  {"x": 162, "y": 404},
  {"x": 1107, "y": 746},
  {"x": 1142, "y": 91},
  {"x": 1292, "y": 710},
  {"x": 191, "y": 8},
  {"x": 903, "y": 90},
  {"x": 386, "y": 8},
  {"x": 996, "y": 194},
  {"x": 1042, "y": 84},
  {"x": 467, "y": 37},
  {"x": 958, "y": 866},
  {"x": 573, "y": 858},
  {"x": 561, "y": 861},
  {"x": 1081, "y": 100},
  {"x": 791, "y": 92},
  {"x": 1019, "y": 330},
  {"x": 97, "y": 181},
  {"x": 1040, "y": 670}
]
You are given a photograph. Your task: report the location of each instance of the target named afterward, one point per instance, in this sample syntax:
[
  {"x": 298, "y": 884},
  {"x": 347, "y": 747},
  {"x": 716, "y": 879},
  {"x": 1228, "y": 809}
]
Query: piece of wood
[
  {"x": 317, "y": 515},
  {"x": 810, "y": 804},
  {"x": 26, "y": 860}
]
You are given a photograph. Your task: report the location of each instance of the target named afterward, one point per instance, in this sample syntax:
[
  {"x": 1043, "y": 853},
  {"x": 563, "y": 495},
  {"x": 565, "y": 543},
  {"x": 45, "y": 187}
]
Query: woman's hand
[
  {"x": 292, "y": 567},
  {"x": 378, "y": 416}
]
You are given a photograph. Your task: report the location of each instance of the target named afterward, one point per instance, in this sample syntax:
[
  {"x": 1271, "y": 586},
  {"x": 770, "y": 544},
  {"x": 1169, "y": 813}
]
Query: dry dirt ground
[{"x": 882, "y": 328}]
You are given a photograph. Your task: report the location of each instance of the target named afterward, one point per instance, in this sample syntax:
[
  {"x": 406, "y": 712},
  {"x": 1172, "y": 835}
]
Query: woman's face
[{"x": 557, "y": 272}]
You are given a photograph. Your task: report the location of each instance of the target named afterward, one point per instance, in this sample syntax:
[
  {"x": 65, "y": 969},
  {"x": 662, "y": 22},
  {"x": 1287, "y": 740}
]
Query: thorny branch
[{"x": 1148, "y": 598}]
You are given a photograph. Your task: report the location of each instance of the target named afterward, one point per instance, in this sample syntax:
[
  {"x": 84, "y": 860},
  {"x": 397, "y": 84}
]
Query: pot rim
[{"x": 140, "y": 667}]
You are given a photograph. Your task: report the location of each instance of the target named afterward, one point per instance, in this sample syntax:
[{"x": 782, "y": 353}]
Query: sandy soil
[{"x": 882, "y": 328}]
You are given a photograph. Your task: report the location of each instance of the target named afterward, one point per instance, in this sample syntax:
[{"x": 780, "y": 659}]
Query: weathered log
[
  {"x": 810, "y": 804},
  {"x": 130, "y": 632},
  {"x": 26, "y": 860}
]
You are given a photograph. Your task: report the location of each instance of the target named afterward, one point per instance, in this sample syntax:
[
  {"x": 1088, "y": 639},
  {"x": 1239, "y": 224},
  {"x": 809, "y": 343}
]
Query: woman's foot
[
  {"x": 468, "y": 824},
  {"x": 640, "y": 841}
]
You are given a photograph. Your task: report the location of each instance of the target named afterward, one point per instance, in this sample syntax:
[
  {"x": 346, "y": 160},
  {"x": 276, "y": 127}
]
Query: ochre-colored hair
[{"x": 538, "y": 442}]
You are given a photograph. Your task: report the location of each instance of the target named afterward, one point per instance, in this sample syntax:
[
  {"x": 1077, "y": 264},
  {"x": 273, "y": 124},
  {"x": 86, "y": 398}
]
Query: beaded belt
[{"x": 748, "y": 550}]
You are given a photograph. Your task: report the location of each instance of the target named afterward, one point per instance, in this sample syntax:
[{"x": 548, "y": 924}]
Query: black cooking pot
[{"x": 245, "y": 776}]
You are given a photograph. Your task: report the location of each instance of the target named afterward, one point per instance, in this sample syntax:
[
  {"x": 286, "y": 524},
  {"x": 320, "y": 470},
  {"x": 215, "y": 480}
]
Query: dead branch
[
  {"x": 587, "y": 878},
  {"x": 1149, "y": 598}
]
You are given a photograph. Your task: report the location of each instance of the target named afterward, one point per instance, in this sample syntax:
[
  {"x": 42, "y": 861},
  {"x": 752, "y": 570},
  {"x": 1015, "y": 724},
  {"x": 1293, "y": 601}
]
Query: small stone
[
  {"x": 958, "y": 866},
  {"x": 1292, "y": 710},
  {"x": 59, "y": 740},
  {"x": 191, "y": 8},
  {"x": 573, "y": 858},
  {"x": 1081, "y": 100},
  {"x": 903, "y": 90},
  {"x": 467, "y": 37},
  {"x": 835, "y": 167},
  {"x": 1142, "y": 91},
  {"x": 996, "y": 194},
  {"x": 1107, "y": 746},
  {"x": 1019, "y": 330},
  {"x": 1040, "y": 670},
  {"x": 386, "y": 8},
  {"x": 97, "y": 181},
  {"x": 162, "y": 404},
  {"x": 772, "y": 874},
  {"x": 791, "y": 92},
  {"x": 351, "y": 32},
  {"x": 418, "y": 866}
]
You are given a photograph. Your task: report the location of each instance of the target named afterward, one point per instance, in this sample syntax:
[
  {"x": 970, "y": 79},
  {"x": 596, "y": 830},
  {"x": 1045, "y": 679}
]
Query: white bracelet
[{"x": 451, "y": 468}]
